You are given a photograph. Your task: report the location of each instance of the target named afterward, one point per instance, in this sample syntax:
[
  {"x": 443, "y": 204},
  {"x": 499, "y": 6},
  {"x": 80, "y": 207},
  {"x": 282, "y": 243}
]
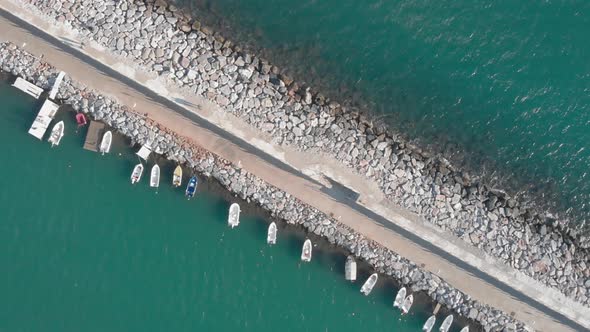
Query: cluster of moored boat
[
  {"x": 191, "y": 186},
  {"x": 402, "y": 300},
  {"x": 57, "y": 132},
  {"x": 233, "y": 220},
  {"x": 444, "y": 327}
]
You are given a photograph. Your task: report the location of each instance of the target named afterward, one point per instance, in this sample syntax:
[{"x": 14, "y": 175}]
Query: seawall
[
  {"x": 250, "y": 188},
  {"x": 165, "y": 41},
  {"x": 298, "y": 118}
]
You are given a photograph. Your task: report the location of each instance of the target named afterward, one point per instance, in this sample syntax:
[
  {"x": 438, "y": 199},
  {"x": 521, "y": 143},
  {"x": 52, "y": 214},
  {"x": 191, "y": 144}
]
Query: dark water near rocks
[
  {"x": 81, "y": 249},
  {"x": 507, "y": 82}
]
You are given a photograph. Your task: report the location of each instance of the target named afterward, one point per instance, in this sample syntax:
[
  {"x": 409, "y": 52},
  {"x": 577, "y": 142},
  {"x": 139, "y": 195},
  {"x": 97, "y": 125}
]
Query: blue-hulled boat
[{"x": 191, "y": 187}]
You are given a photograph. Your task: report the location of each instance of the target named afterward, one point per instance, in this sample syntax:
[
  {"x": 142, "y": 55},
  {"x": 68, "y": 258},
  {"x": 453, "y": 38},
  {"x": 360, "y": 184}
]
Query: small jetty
[
  {"x": 233, "y": 219},
  {"x": 144, "y": 152},
  {"x": 306, "y": 251},
  {"x": 407, "y": 304},
  {"x": 429, "y": 324},
  {"x": 350, "y": 269},
  {"x": 399, "y": 298},
  {"x": 56, "y": 84},
  {"x": 271, "y": 236},
  {"x": 27, "y": 87},
  {"x": 369, "y": 284},
  {"x": 43, "y": 119},
  {"x": 93, "y": 136},
  {"x": 446, "y": 325},
  {"x": 155, "y": 176}
]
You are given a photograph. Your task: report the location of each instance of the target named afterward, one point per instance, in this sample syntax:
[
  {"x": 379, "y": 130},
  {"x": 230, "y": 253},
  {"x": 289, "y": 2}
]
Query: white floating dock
[
  {"x": 144, "y": 152},
  {"x": 56, "y": 85},
  {"x": 27, "y": 87},
  {"x": 43, "y": 119}
]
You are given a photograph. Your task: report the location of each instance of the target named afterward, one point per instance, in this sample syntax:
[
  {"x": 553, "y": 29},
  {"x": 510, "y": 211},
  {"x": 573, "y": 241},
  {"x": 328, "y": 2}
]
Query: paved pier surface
[
  {"x": 93, "y": 136},
  {"x": 299, "y": 174}
]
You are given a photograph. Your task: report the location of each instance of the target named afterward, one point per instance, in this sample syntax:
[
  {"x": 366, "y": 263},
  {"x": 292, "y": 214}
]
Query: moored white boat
[
  {"x": 233, "y": 219},
  {"x": 271, "y": 236},
  {"x": 56, "y": 134},
  {"x": 177, "y": 176},
  {"x": 399, "y": 298},
  {"x": 350, "y": 269},
  {"x": 407, "y": 304},
  {"x": 444, "y": 327},
  {"x": 465, "y": 329},
  {"x": 136, "y": 175},
  {"x": 155, "y": 176},
  {"x": 306, "y": 251},
  {"x": 369, "y": 284},
  {"x": 429, "y": 324},
  {"x": 105, "y": 144}
]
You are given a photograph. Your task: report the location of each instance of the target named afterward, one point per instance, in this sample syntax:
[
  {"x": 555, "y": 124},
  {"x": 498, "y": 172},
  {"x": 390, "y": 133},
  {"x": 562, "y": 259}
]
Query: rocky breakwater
[
  {"x": 250, "y": 188},
  {"x": 161, "y": 39}
]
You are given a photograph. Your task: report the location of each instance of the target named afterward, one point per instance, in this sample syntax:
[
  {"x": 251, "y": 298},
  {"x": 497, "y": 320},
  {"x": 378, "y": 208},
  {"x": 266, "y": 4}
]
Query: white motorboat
[
  {"x": 407, "y": 304},
  {"x": 155, "y": 176},
  {"x": 350, "y": 269},
  {"x": 306, "y": 251},
  {"x": 136, "y": 175},
  {"x": 444, "y": 327},
  {"x": 177, "y": 176},
  {"x": 56, "y": 134},
  {"x": 233, "y": 218},
  {"x": 429, "y": 324},
  {"x": 465, "y": 329},
  {"x": 271, "y": 237},
  {"x": 399, "y": 298},
  {"x": 105, "y": 144},
  {"x": 369, "y": 284}
]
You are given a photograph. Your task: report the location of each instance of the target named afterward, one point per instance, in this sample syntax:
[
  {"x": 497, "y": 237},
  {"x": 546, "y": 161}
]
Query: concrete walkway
[{"x": 298, "y": 173}]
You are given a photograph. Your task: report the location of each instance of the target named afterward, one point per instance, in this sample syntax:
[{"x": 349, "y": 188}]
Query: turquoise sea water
[
  {"x": 506, "y": 82},
  {"x": 81, "y": 249}
]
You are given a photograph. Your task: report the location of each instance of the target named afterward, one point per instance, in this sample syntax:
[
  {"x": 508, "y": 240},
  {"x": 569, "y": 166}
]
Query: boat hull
[
  {"x": 56, "y": 134},
  {"x": 399, "y": 298},
  {"x": 177, "y": 177},
  {"x": 306, "y": 251},
  {"x": 136, "y": 174},
  {"x": 407, "y": 304},
  {"x": 429, "y": 324},
  {"x": 446, "y": 324},
  {"x": 105, "y": 143},
  {"x": 271, "y": 236},
  {"x": 191, "y": 187},
  {"x": 350, "y": 269},
  {"x": 369, "y": 284},
  {"x": 155, "y": 177},
  {"x": 233, "y": 218}
]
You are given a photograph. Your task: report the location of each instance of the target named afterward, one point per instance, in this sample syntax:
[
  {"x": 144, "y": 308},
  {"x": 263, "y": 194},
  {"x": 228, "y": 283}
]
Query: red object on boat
[{"x": 81, "y": 119}]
